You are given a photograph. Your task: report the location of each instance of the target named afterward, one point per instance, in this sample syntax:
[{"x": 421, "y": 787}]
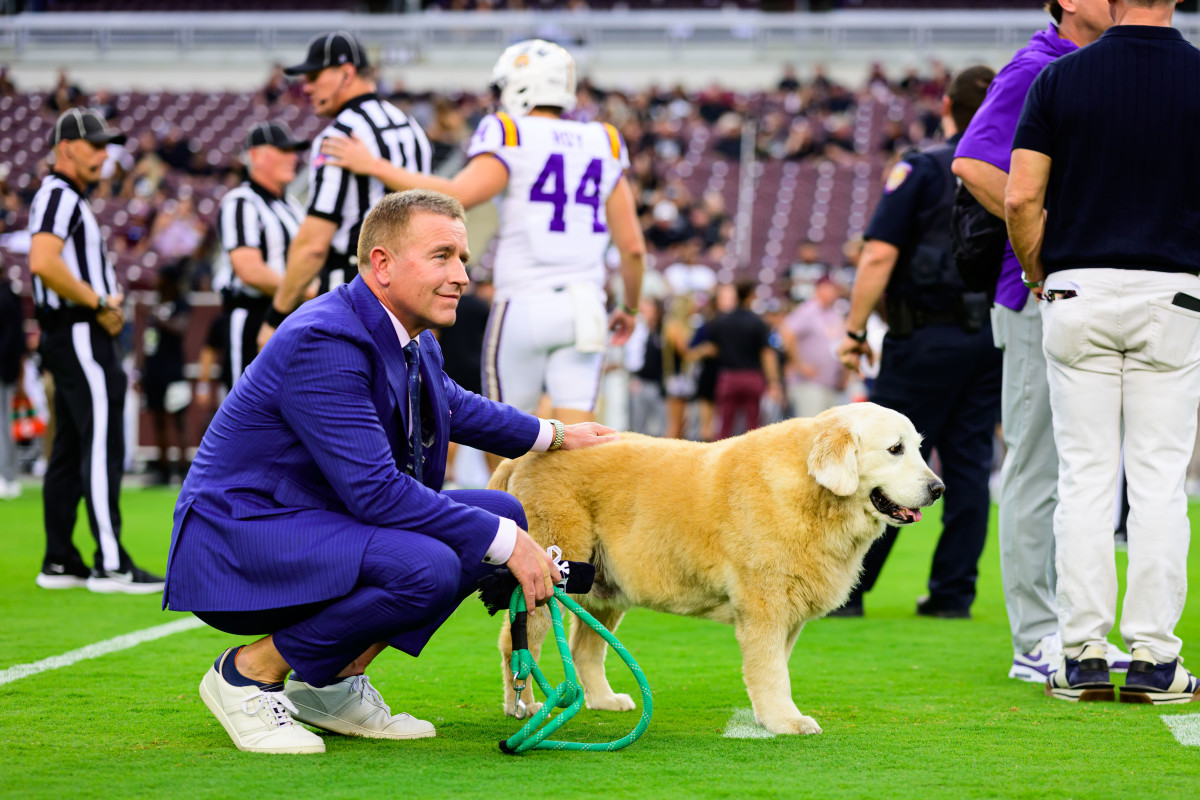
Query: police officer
[
  {"x": 338, "y": 81},
  {"x": 79, "y": 310},
  {"x": 939, "y": 365},
  {"x": 257, "y": 224}
]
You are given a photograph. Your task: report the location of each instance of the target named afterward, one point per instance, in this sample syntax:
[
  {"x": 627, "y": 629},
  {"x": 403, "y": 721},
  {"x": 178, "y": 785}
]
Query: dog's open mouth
[{"x": 888, "y": 508}]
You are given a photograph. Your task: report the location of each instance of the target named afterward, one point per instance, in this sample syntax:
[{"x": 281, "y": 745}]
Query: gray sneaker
[{"x": 352, "y": 707}]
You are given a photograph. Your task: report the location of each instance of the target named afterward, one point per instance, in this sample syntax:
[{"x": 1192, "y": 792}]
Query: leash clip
[{"x": 522, "y": 709}]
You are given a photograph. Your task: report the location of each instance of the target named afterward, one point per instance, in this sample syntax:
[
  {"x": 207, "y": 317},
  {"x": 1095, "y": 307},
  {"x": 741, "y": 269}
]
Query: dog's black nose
[{"x": 937, "y": 489}]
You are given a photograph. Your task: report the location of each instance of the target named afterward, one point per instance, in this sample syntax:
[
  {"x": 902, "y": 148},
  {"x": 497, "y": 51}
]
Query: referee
[
  {"x": 257, "y": 224},
  {"x": 338, "y": 82},
  {"x": 79, "y": 310}
]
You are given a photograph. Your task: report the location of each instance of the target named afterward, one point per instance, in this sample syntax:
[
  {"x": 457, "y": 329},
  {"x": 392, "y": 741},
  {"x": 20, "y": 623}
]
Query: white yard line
[
  {"x": 742, "y": 726},
  {"x": 123, "y": 642},
  {"x": 1186, "y": 728}
]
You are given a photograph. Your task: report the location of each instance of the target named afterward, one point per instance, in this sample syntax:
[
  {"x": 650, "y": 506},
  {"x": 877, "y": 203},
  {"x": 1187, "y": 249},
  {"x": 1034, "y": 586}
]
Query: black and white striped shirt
[
  {"x": 253, "y": 217},
  {"x": 60, "y": 209},
  {"x": 345, "y": 198}
]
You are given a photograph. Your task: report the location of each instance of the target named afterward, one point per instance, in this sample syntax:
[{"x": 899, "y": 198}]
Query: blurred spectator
[
  {"x": 167, "y": 392},
  {"x": 667, "y": 228},
  {"x": 811, "y": 332},
  {"x": 447, "y": 135},
  {"x": 64, "y": 95},
  {"x": 178, "y": 230},
  {"x": 276, "y": 85},
  {"x": 680, "y": 371},
  {"x": 12, "y": 351},
  {"x": 789, "y": 82},
  {"x": 747, "y": 364},
  {"x": 688, "y": 275},
  {"x": 806, "y": 270},
  {"x": 644, "y": 360}
]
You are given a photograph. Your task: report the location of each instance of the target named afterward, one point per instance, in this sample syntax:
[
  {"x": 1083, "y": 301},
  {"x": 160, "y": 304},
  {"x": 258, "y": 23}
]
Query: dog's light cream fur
[{"x": 764, "y": 531}]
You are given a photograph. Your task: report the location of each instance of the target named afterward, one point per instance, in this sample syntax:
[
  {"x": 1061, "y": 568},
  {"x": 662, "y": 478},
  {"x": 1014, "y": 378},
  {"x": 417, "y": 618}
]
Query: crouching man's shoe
[
  {"x": 258, "y": 721},
  {"x": 1150, "y": 682},
  {"x": 1083, "y": 679},
  {"x": 352, "y": 707}
]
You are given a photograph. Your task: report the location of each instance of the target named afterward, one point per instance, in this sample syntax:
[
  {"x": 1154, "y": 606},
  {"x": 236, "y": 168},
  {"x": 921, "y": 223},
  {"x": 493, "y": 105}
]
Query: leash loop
[{"x": 568, "y": 695}]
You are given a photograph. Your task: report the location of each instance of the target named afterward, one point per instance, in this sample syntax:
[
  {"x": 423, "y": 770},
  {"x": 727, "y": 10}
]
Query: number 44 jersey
[{"x": 553, "y": 227}]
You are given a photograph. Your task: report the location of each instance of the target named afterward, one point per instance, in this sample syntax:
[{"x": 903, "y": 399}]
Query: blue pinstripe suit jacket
[{"x": 300, "y": 465}]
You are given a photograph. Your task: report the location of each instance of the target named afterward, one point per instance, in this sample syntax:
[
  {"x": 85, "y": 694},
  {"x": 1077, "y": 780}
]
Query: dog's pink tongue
[{"x": 916, "y": 514}]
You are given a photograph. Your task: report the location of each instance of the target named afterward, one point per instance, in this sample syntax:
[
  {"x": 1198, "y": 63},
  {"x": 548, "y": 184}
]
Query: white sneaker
[
  {"x": 135, "y": 581},
  {"x": 352, "y": 707},
  {"x": 9, "y": 490},
  {"x": 1035, "y": 665},
  {"x": 257, "y": 721}
]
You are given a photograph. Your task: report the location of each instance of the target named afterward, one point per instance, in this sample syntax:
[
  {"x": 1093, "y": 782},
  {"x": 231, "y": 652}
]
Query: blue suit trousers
[{"x": 407, "y": 587}]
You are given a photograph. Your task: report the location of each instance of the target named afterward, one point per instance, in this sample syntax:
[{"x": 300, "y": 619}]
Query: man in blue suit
[{"x": 313, "y": 512}]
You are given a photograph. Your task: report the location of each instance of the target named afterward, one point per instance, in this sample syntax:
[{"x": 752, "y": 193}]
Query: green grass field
[{"x": 911, "y": 707}]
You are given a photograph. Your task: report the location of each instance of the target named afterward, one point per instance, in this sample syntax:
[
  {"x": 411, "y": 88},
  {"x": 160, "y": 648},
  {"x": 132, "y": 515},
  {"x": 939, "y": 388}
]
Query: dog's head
[{"x": 868, "y": 449}]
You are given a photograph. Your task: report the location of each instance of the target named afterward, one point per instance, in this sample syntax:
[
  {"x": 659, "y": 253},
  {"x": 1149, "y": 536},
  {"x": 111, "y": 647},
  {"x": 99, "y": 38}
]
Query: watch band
[
  {"x": 858, "y": 336},
  {"x": 560, "y": 432}
]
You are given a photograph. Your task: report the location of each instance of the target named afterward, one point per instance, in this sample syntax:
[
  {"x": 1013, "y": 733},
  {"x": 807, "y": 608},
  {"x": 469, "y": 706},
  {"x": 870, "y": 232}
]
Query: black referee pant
[
  {"x": 245, "y": 318},
  {"x": 88, "y": 455},
  {"x": 947, "y": 381}
]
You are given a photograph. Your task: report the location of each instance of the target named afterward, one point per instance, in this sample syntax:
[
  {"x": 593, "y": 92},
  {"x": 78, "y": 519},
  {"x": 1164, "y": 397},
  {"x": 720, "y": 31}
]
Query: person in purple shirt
[{"x": 1029, "y": 478}]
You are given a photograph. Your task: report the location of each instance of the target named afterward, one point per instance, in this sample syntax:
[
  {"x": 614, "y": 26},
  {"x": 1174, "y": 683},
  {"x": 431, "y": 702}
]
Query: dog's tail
[{"x": 500, "y": 477}]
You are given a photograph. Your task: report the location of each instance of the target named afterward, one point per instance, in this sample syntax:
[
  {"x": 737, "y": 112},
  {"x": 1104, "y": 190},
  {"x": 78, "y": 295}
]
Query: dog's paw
[
  {"x": 794, "y": 725},
  {"x": 510, "y": 709},
  {"x": 614, "y": 702}
]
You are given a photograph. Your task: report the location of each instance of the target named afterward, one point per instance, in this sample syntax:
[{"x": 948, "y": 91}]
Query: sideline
[
  {"x": 113, "y": 645},
  {"x": 1186, "y": 728}
]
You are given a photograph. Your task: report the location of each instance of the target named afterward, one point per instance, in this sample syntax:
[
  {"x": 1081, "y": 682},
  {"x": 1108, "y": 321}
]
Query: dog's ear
[{"x": 833, "y": 460}]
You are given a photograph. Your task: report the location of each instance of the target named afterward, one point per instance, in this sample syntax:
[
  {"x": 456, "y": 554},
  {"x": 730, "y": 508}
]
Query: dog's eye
[{"x": 897, "y": 449}]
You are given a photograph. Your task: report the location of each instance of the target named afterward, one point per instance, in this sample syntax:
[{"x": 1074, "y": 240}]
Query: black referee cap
[
  {"x": 330, "y": 50},
  {"x": 87, "y": 124},
  {"x": 276, "y": 134}
]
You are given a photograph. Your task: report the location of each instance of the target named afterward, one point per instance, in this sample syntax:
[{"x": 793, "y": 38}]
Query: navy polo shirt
[{"x": 1120, "y": 121}]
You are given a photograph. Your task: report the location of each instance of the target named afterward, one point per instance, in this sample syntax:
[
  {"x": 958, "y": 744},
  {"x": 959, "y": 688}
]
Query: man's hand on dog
[
  {"x": 533, "y": 569},
  {"x": 586, "y": 434}
]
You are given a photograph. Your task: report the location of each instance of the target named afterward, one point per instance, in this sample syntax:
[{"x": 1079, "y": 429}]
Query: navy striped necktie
[{"x": 412, "y": 356}]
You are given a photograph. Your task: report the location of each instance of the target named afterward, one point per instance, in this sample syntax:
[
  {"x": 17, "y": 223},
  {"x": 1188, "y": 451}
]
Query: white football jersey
[{"x": 553, "y": 225}]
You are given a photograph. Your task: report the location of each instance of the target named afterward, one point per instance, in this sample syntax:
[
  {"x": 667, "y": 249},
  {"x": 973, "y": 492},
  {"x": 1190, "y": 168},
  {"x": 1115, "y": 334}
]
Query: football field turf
[{"x": 911, "y": 707}]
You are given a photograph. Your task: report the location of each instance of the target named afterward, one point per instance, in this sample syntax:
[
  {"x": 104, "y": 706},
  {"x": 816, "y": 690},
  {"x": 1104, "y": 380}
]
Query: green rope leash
[{"x": 568, "y": 695}]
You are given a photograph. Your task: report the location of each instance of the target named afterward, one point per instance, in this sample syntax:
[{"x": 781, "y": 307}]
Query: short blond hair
[{"x": 387, "y": 223}]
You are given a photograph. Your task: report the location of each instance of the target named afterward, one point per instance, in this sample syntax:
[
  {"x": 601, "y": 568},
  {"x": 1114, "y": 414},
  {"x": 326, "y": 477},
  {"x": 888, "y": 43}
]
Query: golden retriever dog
[{"x": 764, "y": 531}]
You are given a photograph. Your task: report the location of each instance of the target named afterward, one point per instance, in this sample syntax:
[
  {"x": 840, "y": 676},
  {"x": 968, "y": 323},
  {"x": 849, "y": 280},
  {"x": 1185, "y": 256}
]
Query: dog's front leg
[
  {"x": 766, "y": 646},
  {"x": 537, "y": 627}
]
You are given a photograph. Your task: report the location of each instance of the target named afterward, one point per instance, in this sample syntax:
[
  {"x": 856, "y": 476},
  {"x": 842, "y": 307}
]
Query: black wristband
[
  {"x": 858, "y": 336},
  {"x": 275, "y": 317}
]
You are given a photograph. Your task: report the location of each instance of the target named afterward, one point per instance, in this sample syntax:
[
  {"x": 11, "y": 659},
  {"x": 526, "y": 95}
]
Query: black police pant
[
  {"x": 88, "y": 455},
  {"x": 947, "y": 381}
]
